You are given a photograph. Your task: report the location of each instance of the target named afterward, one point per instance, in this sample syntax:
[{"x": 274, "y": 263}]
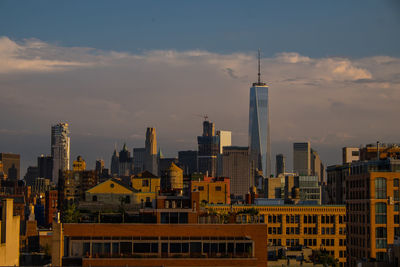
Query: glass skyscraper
[{"x": 259, "y": 134}]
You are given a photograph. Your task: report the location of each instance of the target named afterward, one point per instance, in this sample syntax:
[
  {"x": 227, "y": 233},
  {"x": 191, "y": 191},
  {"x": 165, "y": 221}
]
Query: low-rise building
[{"x": 159, "y": 245}]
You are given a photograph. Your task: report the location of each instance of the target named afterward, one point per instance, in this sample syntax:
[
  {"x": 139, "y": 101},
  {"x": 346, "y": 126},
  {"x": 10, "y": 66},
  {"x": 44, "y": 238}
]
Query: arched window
[
  {"x": 380, "y": 213},
  {"x": 94, "y": 198},
  {"x": 380, "y": 188}
]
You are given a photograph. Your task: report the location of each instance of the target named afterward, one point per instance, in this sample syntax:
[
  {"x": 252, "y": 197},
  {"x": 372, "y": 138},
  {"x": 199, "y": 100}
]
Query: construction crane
[{"x": 204, "y": 116}]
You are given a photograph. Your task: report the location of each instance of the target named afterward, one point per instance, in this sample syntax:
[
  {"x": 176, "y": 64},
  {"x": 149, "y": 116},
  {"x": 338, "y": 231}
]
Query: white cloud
[{"x": 330, "y": 101}]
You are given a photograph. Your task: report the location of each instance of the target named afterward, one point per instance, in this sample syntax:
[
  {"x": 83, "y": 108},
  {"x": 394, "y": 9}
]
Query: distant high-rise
[
  {"x": 11, "y": 165},
  {"x": 150, "y": 163},
  {"x": 317, "y": 167},
  {"x": 236, "y": 167},
  {"x": 280, "y": 164},
  {"x": 138, "y": 160},
  {"x": 115, "y": 164},
  {"x": 45, "y": 165},
  {"x": 125, "y": 165},
  {"x": 259, "y": 128},
  {"x": 225, "y": 139},
  {"x": 302, "y": 158},
  {"x": 188, "y": 161},
  {"x": 208, "y": 149},
  {"x": 99, "y": 166},
  {"x": 60, "y": 148}
]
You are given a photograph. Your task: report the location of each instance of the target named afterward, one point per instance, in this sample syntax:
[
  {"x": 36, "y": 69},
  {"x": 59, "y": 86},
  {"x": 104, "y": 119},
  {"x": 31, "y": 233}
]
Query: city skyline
[{"x": 331, "y": 95}]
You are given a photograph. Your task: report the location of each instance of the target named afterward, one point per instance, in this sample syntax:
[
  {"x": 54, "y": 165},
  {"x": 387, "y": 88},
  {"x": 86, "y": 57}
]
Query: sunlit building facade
[{"x": 60, "y": 147}]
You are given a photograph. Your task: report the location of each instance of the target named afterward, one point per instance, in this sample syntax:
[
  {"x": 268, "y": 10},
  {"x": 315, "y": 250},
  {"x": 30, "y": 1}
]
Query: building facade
[
  {"x": 60, "y": 149},
  {"x": 280, "y": 164},
  {"x": 188, "y": 161},
  {"x": 208, "y": 150},
  {"x": 9, "y": 235},
  {"x": 373, "y": 206},
  {"x": 151, "y": 163},
  {"x": 302, "y": 158},
  {"x": 259, "y": 128},
  {"x": 350, "y": 154},
  {"x": 45, "y": 165},
  {"x": 237, "y": 167},
  {"x": 314, "y": 226}
]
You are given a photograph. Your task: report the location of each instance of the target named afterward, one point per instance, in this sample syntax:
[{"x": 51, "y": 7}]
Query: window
[
  {"x": 94, "y": 198},
  {"x": 396, "y": 196},
  {"x": 145, "y": 183},
  {"x": 396, "y": 219},
  {"x": 396, "y": 182},
  {"x": 380, "y": 188},
  {"x": 380, "y": 235},
  {"x": 380, "y": 213},
  {"x": 396, "y": 207},
  {"x": 217, "y": 188},
  {"x": 201, "y": 188}
]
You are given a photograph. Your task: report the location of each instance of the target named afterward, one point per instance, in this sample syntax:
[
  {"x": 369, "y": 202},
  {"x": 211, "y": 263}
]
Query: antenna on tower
[{"x": 259, "y": 66}]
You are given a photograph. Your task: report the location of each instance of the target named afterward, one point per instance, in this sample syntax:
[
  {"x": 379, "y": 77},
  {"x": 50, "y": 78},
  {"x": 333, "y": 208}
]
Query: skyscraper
[
  {"x": 236, "y": 166},
  {"x": 208, "y": 149},
  {"x": 45, "y": 165},
  {"x": 280, "y": 164},
  {"x": 125, "y": 167},
  {"x": 115, "y": 163},
  {"x": 302, "y": 158},
  {"x": 188, "y": 161},
  {"x": 60, "y": 147},
  {"x": 259, "y": 132},
  {"x": 150, "y": 163}
]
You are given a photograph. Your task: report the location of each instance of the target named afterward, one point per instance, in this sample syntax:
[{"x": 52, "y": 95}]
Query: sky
[{"x": 112, "y": 68}]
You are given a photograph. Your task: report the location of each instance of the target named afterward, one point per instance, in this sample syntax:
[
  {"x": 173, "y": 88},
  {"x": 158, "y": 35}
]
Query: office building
[
  {"x": 151, "y": 163},
  {"x": 188, "y": 161},
  {"x": 350, "y": 154},
  {"x": 317, "y": 167},
  {"x": 319, "y": 227},
  {"x": 45, "y": 165},
  {"x": 79, "y": 164},
  {"x": 302, "y": 158},
  {"x": 225, "y": 139},
  {"x": 259, "y": 128},
  {"x": 125, "y": 162},
  {"x": 115, "y": 164},
  {"x": 11, "y": 165},
  {"x": 208, "y": 150},
  {"x": 31, "y": 174},
  {"x": 60, "y": 149},
  {"x": 236, "y": 167},
  {"x": 280, "y": 163},
  {"x": 138, "y": 160},
  {"x": 373, "y": 209}
]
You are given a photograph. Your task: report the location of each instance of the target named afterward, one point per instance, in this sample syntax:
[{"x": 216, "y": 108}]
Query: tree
[{"x": 71, "y": 214}]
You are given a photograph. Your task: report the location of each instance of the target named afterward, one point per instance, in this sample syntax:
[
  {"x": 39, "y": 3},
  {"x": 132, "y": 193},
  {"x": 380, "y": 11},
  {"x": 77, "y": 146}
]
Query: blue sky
[
  {"x": 313, "y": 28},
  {"x": 112, "y": 68}
]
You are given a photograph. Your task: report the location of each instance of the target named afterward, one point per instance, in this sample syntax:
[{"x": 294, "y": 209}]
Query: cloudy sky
[{"x": 111, "y": 69}]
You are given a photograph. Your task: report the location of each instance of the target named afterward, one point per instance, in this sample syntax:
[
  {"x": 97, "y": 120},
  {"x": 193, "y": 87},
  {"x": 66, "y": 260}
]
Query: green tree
[{"x": 71, "y": 214}]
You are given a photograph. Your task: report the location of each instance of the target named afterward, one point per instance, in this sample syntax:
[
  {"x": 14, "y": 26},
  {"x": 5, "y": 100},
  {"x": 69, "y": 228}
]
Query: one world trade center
[{"x": 259, "y": 132}]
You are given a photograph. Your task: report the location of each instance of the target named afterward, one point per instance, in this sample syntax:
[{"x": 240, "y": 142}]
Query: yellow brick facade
[
  {"x": 212, "y": 192},
  {"x": 317, "y": 227}
]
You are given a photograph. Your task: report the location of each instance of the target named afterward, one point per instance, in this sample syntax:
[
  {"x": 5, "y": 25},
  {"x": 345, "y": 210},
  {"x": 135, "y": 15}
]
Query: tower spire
[{"x": 259, "y": 66}]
